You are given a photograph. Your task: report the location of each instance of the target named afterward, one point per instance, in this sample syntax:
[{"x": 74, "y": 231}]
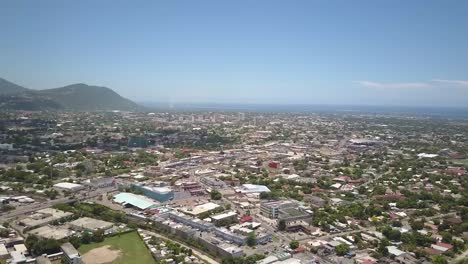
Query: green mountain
[{"x": 75, "y": 97}]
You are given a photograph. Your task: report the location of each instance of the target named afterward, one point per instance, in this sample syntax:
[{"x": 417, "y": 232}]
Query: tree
[
  {"x": 439, "y": 260},
  {"x": 51, "y": 194},
  {"x": 216, "y": 195},
  {"x": 382, "y": 249},
  {"x": 281, "y": 225},
  {"x": 4, "y": 232},
  {"x": 38, "y": 246},
  {"x": 342, "y": 249},
  {"x": 251, "y": 239},
  {"x": 86, "y": 238},
  {"x": 417, "y": 225},
  {"x": 294, "y": 244},
  {"x": 98, "y": 236}
]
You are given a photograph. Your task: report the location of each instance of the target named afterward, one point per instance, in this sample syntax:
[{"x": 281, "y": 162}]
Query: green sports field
[{"x": 132, "y": 248}]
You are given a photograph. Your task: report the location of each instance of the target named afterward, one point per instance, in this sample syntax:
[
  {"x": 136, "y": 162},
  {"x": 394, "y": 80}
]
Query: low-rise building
[
  {"x": 200, "y": 209},
  {"x": 90, "y": 224},
  {"x": 68, "y": 186},
  {"x": 161, "y": 194},
  {"x": 193, "y": 222},
  {"x": 252, "y": 188},
  {"x": 3, "y": 252},
  {"x": 72, "y": 255},
  {"x": 224, "y": 218},
  {"x": 43, "y": 217},
  {"x": 52, "y": 232},
  {"x": 213, "y": 182},
  {"x": 134, "y": 200}
]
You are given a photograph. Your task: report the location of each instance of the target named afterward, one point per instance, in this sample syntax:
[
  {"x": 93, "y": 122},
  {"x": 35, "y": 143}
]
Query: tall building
[{"x": 241, "y": 116}]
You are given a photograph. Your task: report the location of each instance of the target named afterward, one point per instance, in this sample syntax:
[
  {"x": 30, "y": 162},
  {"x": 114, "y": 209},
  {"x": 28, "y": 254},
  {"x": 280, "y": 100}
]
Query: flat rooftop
[
  {"x": 53, "y": 232},
  {"x": 69, "y": 249},
  {"x": 139, "y": 201},
  {"x": 224, "y": 215},
  {"x": 91, "y": 224},
  {"x": 202, "y": 208},
  {"x": 44, "y": 216}
]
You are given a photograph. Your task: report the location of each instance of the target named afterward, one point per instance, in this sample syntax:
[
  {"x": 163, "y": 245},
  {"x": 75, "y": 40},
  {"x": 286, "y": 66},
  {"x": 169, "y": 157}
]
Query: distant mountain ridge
[{"x": 75, "y": 97}]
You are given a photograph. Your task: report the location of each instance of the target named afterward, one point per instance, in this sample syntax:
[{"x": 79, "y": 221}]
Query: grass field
[{"x": 132, "y": 248}]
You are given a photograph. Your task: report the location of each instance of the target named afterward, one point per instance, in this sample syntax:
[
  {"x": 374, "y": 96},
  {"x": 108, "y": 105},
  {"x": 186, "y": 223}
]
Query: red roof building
[
  {"x": 246, "y": 218},
  {"x": 273, "y": 165}
]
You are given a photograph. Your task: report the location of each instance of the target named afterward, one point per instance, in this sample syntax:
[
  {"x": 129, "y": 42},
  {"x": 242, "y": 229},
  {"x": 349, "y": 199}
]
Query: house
[{"x": 442, "y": 246}]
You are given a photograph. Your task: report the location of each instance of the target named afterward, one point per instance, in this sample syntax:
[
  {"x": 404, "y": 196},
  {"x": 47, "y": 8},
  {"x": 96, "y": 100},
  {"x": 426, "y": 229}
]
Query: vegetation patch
[{"x": 129, "y": 246}]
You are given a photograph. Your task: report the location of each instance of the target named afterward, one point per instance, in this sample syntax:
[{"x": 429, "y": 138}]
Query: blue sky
[{"x": 309, "y": 52}]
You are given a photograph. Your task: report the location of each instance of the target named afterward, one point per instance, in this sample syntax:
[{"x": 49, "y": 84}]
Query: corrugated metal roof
[{"x": 138, "y": 201}]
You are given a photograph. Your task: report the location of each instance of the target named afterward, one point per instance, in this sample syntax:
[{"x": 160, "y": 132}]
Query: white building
[{"x": 68, "y": 186}]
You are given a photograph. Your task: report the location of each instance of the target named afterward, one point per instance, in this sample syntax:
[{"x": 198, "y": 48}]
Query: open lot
[{"x": 126, "y": 248}]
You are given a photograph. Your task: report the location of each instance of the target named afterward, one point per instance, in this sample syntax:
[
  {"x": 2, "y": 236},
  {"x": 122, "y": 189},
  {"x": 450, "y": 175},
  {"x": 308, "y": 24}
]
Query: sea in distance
[{"x": 441, "y": 112}]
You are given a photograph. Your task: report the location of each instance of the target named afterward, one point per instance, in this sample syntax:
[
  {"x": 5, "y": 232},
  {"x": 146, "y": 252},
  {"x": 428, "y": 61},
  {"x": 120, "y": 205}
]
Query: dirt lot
[{"x": 101, "y": 255}]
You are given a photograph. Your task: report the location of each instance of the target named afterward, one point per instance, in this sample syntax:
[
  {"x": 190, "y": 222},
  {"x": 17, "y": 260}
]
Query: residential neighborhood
[{"x": 225, "y": 187}]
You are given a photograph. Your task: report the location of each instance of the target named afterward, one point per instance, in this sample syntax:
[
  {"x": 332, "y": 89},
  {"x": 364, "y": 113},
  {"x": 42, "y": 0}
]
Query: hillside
[
  {"x": 75, "y": 97},
  {"x": 9, "y": 88}
]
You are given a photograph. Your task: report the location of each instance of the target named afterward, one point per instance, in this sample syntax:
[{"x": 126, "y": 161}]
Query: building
[
  {"x": 72, "y": 255},
  {"x": 224, "y": 218},
  {"x": 102, "y": 182},
  {"x": 90, "y": 224},
  {"x": 230, "y": 236},
  {"x": 194, "y": 188},
  {"x": 43, "y": 260},
  {"x": 275, "y": 257},
  {"x": 272, "y": 209},
  {"x": 273, "y": 165},
  {"x": 394, "y": 251},
  {"x": 240, "y": 239},
  {"x": 68, "y": 186},
  {"x": 230, "y": 250},
  {"x": 134, "y": 200},
  {"x": 200, "y": 209},
  {"x": 193, "y": 222},
  {"x": 17, "y": 257},
  {"x": 213, "y": 182},
  {"x": 6, "y": 146},
  {"x": 3, "y": 252},
  {"x": 252, "y": 188},
  {"x": 52, "y": 232},
  {"x": 161, "y": 194},
  {"x": 43, "y": 217}
]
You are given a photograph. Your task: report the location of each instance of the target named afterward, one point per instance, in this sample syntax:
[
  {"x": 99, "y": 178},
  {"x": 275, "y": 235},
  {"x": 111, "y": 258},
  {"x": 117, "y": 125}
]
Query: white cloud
[
  {"x": 452, "y": 82},
  {"x": 386, "y": 86},
  {"x": 434, "y": 83}
]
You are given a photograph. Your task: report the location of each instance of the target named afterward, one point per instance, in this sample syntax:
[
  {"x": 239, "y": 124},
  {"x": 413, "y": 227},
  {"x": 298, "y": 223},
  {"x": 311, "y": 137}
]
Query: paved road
[{"x": 199, "y": 254}]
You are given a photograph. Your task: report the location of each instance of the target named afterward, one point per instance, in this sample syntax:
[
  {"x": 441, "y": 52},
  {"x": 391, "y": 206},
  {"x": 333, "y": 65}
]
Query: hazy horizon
[{"x": 396, "y": 53}]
